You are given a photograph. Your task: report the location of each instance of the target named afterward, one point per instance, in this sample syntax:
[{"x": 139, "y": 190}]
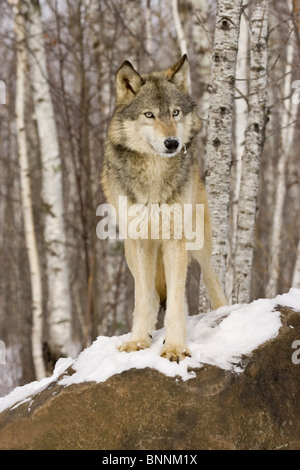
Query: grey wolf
[{"x": 150, "y": 158}]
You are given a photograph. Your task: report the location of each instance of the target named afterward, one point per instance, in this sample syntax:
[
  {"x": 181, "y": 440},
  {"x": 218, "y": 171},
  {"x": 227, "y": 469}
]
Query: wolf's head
[{"x": 154, "y": 112}]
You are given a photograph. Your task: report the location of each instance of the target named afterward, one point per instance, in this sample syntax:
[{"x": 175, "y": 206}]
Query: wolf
[{"x": 150, "y": 158}]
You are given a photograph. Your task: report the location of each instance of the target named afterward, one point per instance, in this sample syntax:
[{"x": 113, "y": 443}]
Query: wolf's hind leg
[{"x": 211, "y": 281}]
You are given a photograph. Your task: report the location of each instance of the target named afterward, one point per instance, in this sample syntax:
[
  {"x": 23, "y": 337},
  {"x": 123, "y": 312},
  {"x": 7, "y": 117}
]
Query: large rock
[{"x": 143, "y": 409}]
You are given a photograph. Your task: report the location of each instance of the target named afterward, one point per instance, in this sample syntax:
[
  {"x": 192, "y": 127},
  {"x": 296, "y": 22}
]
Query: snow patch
[
  {"x": 219, "y": 338},
  {"x": 24, "y": 394}
]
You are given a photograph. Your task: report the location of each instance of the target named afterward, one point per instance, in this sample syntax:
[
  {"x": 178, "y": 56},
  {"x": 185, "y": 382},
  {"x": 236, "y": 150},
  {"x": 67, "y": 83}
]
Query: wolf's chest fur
[{"x": 152, "y": 179}]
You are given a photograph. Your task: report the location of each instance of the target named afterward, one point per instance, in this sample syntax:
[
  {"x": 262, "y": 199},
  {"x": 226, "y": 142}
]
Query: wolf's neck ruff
[{"x": 149, "y": 178}]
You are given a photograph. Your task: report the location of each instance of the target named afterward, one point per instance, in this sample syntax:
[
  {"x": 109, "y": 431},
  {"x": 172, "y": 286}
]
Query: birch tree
[
  {"x": 296, "y": 272},
  {"x": 59, "y": 301},
  {"x": 241, "y": 113},
  {"x": 219, "y": 132},
  {"x": 254, "y": 140},
  {"x": 179, "y": 29},
  {"x": 289, "y": 115},
  {"x": 202, "y": 47},
  {"x": 30, "y": 236},
  {"x": 149, "y": 36}
]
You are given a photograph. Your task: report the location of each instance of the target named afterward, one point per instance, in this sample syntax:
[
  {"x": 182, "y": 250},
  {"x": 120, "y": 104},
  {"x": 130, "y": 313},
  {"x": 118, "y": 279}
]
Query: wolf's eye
[
  {"x": 176, "y": 112},
  {"x": 148, "y": 114}
]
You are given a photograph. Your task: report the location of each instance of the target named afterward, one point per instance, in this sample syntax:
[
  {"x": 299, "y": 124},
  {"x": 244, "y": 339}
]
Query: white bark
[
  {"x": 59, "y": 305},
  {"x": 179, "y": 29},
  {"x": 30, "y": 237},
  {"x": 219, "y": 134},
  {"x": 289, "y": 115},
  {"x": 296, "y": 273},
  {"x": 149, "y": 44},
  {"x": 254, "y": 140},
  {"x": 202, "y": 48},
  {"x": 241, "y": 112},
  {"x": 180, "y": 34}
]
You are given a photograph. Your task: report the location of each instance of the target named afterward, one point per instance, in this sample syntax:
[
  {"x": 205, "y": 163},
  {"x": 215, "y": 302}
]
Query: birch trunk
[
  {"x": 290, "y": 110},
  {"x": 203, "y": 52},
  {"x": 59, "y": 301},
  {"x": 202, "y": 48},
  {"x": 296, "y": 273},
  {"x": 179, "y": 29},
  {"x": 254, "y": 141},
  {"x": 219, "y": 134},
  {"x": 149, "y": 38},
  {"x": 30, "y": 237},
  {"x": 180, "y": 35},
  {"x": 241, "y": 112}
]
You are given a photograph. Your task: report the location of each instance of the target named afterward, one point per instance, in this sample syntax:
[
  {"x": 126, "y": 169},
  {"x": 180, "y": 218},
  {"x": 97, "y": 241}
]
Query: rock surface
[{"x": 143, "y": 409}]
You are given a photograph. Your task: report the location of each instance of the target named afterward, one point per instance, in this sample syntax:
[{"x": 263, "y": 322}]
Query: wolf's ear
[
  {"x": 179, "y": 74},
  {"x": 128, "y": 83}
]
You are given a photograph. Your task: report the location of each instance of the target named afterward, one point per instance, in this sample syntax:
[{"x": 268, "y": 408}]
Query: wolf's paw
[
  {"x": 175, "y": 353},
  {"x": 131, "y": 346}
]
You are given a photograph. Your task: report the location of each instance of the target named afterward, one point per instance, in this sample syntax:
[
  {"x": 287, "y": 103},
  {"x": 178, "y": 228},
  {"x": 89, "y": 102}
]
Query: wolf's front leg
[
  {"x": 175, "y": 261},
  {"x": 141, "y": 259}
]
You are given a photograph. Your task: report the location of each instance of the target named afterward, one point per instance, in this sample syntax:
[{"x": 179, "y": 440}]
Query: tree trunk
[
  {"x": 241, "y": 112},
  {"x": 290, "y": 109},
  {"x": 296, "y": 273},
  {"x": 254, "y": 141},
  {"x": 59, "y": 301},
  {"x": 219, "y": 134},
  {"x": 203, "y": 52},
  {"x": 202, "y": 48},
  {"x": 149, "y": 38},
  {"x": 30, "y": 236},
  {"x": 179, "y": 29}
]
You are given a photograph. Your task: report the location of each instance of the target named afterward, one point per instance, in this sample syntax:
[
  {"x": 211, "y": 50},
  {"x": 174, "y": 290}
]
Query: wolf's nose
[{"x": 171, "y": 144}]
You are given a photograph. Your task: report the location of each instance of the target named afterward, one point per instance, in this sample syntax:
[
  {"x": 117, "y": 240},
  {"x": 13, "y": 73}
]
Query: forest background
[{"x": 60, "y": 286}]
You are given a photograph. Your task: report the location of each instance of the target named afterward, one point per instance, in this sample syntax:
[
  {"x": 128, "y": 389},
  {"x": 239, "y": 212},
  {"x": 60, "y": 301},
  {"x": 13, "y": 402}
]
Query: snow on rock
[
  {"x": 23, "y": 394},
  {"x": 219, "y": 338}
]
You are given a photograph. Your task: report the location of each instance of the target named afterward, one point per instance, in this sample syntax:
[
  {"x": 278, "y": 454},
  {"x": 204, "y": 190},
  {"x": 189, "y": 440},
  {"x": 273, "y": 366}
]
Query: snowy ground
[{"x": 220, "y": 338}]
